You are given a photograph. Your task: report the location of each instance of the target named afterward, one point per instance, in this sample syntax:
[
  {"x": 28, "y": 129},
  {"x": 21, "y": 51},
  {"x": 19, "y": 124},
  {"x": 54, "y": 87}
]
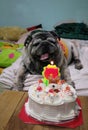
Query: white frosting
[
  {"x": 52, "y": 103},
  {"x": 52, "y": 98}
]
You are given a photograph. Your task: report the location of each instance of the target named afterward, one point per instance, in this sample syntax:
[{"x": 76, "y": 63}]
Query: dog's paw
[
  {"x": 78, "y": 64},
  {"x": 19, "y": 85},
  {"x": 72, "y": 84},
  {"x": 20, "y": 88}
]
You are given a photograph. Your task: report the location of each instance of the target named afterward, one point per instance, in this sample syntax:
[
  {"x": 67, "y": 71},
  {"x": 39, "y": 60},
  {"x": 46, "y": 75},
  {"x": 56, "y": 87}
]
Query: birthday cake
[{"x": 52, "y": 99}]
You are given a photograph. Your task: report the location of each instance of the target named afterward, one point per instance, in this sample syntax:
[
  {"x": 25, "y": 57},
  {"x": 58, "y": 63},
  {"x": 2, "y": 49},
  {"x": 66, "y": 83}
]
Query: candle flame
[{"x": 52, "y": 62}]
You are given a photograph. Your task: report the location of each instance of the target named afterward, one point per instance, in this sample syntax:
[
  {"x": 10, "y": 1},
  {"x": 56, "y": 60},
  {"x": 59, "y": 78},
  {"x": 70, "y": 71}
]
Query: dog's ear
[
  {"x": 55, "y": 34},
  {"x": 28, "y": 40}
]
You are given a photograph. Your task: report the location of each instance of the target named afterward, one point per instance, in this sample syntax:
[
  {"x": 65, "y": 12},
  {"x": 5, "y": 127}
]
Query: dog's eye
[
  {"x": 36, "y": 42},
  {"x": 51, "y": 40}
]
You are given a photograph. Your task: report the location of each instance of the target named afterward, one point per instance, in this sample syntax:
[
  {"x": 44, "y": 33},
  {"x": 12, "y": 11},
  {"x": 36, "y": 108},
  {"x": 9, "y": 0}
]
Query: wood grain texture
[
  {"x": 8, "y": 103},
  {"x": 11, "y": 103},
  {"x": 84, "y": 104}
]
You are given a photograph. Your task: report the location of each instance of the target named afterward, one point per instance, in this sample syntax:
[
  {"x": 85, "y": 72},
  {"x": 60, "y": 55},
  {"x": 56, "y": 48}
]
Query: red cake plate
[{"x": 77, "y": 121}]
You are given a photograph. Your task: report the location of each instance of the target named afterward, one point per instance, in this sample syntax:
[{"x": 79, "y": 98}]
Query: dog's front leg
[
  {"x": 20, "y": 78},
  {"x": 75, "y": 54},
  {"x": 65, "y": 74}
]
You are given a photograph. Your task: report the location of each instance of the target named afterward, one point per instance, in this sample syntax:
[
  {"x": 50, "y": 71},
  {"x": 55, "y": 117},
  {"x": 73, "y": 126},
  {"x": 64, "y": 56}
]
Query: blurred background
[{"x": 26, "y": 13}]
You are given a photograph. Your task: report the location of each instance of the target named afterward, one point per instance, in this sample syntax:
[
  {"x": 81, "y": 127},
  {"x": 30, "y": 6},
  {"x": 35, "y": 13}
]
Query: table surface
[{"x": 11, "y": 103}]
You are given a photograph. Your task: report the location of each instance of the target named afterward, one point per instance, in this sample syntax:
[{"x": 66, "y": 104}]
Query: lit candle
[{"x": 52, "y": 62}]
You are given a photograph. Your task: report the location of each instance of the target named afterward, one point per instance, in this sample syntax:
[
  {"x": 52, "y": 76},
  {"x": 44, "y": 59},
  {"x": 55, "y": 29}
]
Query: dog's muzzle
[{"x": 45, "y": 51}]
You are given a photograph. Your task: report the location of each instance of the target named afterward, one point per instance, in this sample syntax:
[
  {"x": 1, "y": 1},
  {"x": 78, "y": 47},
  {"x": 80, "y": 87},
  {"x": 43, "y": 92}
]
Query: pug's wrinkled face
[{"x": 43, "y": 47}]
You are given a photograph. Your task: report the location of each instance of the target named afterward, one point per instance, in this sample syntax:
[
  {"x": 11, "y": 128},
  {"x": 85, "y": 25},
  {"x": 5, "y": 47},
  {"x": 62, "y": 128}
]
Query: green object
[
  {"x": 46, "y": 81},
  {"x": 9, "y": 53},
  {"x": 72, "y": 31}
]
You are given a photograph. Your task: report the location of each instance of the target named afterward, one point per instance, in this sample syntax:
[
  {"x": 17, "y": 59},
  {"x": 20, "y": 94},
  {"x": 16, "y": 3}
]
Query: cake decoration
[{"x": 51, "y": 74}]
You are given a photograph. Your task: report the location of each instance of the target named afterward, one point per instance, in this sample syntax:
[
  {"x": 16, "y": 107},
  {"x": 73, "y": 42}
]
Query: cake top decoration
[{"x": 51, "y": 73}]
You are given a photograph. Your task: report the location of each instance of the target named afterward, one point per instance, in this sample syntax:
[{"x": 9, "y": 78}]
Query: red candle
[{"x": 51, "y": 70}]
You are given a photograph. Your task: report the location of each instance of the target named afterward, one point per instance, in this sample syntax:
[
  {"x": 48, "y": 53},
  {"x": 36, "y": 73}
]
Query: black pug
[{"x": 40, "y": 48}]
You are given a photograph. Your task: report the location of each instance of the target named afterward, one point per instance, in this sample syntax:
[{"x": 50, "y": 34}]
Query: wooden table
[{"x": 11, "y": 103}]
